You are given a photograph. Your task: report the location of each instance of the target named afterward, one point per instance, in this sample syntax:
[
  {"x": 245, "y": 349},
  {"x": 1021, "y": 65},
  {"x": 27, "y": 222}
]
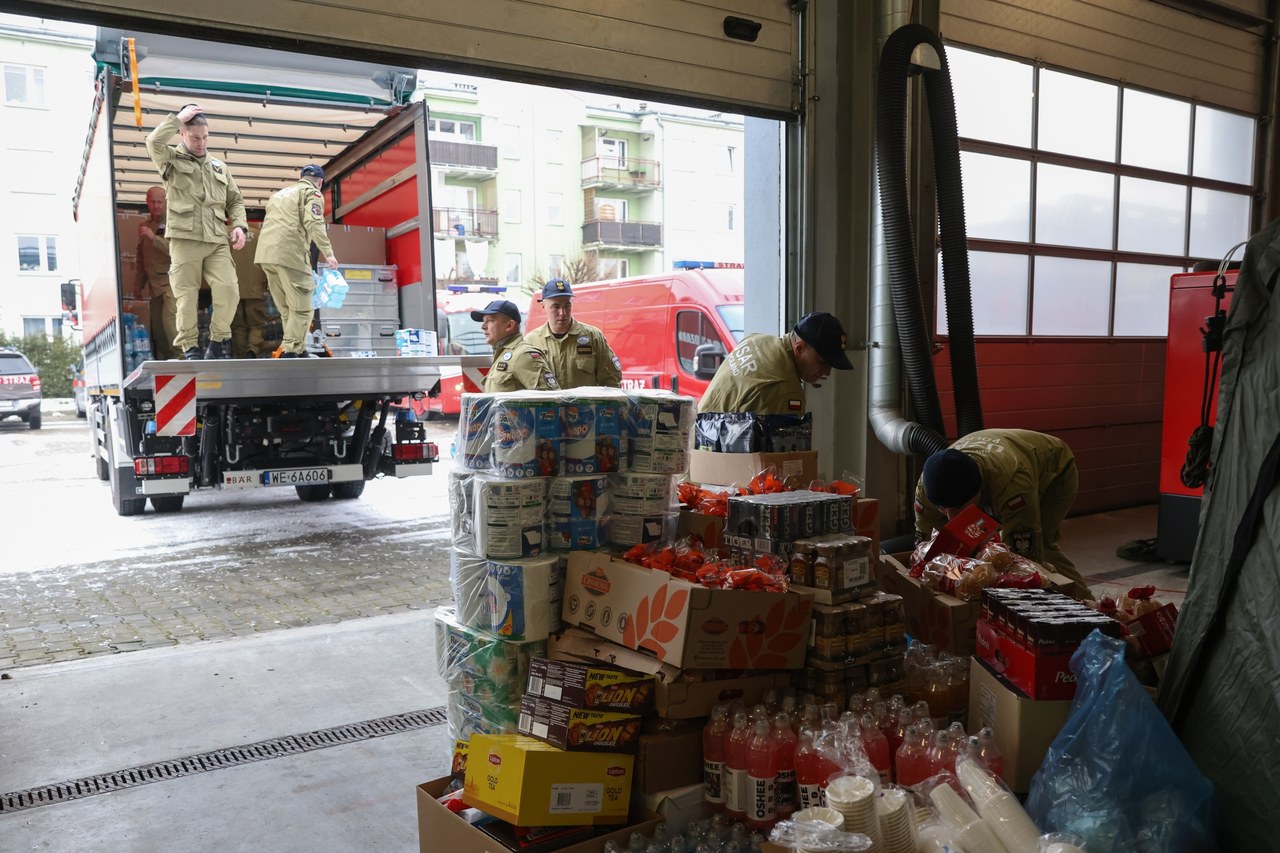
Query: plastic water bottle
[{"x": 990, "y": 755}]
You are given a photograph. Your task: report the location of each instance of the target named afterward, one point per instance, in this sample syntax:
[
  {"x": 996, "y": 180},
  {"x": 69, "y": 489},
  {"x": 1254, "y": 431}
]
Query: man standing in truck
[
  {"x": 153, "y": 276},
  {"x": 202, "y": 199},
  {"x": 578, "y": 353},
  {"x": 294, "y": 220},
  {"x": 516, "y": 365},
  {"x": 766, "y": 374}
]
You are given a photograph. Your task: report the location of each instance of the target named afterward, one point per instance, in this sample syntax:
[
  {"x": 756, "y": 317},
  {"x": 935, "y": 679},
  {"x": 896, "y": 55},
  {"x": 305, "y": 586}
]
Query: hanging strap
[{"x": 1268, "y": 477}]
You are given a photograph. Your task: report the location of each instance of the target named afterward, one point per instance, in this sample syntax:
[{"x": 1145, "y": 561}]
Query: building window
[
  {"x": 514, "y": 273},
  {"x": 732, "y": 153},
  {"x": 511, "y": 205},
  {"x": 23, "y": 86},
  {"x": 1083, "y": 196},
  {"x": 451, "y": 129},
  {"x": 37, "y": 253},
  {"x": 611, "y": 268},
  {"x": 555, "y": 266},
  {"x": 731, "y": 217},
  {"x": 612, "y": 152},
  {"x": 35, "y": 327},
  {"x": 555, "y": 208},
  {"x": 611, "y": 209}
]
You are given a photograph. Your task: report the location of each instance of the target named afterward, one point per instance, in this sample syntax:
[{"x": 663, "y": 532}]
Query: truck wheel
[
  {"x": 167, "y": 503},
  {"x": 35, "y": 421},
  {"x": 348, "y": 490},
  {"x": 311, "y": 494},
  {"x": 104, "y": 470},
  {"x": 124, "y": 505}
]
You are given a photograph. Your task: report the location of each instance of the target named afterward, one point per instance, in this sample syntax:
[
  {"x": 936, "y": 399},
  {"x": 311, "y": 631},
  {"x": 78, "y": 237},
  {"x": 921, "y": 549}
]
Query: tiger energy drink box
[
  {"x": 578, "y": 729},
  {"x": 597, "y": 686}
]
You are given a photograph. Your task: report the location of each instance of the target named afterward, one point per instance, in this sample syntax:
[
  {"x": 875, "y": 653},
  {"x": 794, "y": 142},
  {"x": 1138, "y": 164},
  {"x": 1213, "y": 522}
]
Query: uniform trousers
[{"x": 190, "y": 261}]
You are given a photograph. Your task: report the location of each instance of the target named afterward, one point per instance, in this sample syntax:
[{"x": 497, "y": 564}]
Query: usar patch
[{"x": 316, "y": 210}]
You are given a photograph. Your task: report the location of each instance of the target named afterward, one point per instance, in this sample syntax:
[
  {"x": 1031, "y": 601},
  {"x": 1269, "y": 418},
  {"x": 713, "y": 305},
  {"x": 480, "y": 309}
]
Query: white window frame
[
  {"x": 42, "y": 246},
  {"x": 436, "y": 129},
  {"x": 613, "y": 151},
  {"x": 31, "y": 73},
  {"x": 519, "y": 267},
  {"x": 511, "y": 202},
  {"x": 555, "y": 208}
]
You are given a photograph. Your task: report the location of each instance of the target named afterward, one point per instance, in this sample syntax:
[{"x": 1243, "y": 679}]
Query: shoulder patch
[
  {"x": 502, "y": 365},
  {"x": 1022, "y": 541},
  {"x": 535, "y": 355},
  {"x": 216, "y": 165},
  {"x": 1016, "y": 503},
  {"x": 317, "y": 210},
  {"x": 795, "y": 405},
  {"x": 584, "y": 339},
  {"x": 506, "y": 356},
  {"x": 616, "y": 363},
  {"x": 551, "y": 379}
]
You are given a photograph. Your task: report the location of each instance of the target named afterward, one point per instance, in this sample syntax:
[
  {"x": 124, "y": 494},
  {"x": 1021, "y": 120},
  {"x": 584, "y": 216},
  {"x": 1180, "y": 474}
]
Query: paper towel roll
[
  {"x": 660, "y": 428},
  {"x": 526, "y": 435},
  {"x": 518, "y": 599},
  {"x": 591, "y": 434},
  {"x": 510, "y": 516},
  {"x": 462, "y": 508},
  {"x": 468, "y": 577},
  {"x": 474, "y": 446},
  {"x": 579, "y": 512}
]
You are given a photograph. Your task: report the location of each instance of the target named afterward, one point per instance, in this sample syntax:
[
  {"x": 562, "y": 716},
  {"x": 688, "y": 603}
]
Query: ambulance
[{"x": 669, "y": 330}]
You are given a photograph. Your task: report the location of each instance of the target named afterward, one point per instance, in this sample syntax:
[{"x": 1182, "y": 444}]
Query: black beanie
[{"x": 951, "y": 478}]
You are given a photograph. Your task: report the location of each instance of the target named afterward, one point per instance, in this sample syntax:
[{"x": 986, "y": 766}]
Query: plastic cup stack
[
  {"x": 855, "y": 798},
  {"x": 999, "y": 808},
  {"x": 821, "y": 816},
  {"x": 1062, "y": 847},
  {"x": 897, "y": 832},
  {"x": 972, "y": 833}
]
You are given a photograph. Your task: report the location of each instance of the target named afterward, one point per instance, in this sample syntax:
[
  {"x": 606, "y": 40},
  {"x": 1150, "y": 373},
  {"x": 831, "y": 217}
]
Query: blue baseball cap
[
  {"x": 498, "y": 306},
  {"x": 823, "y": 332},
  {"x": 555, "y": 287},
  {"x": 311, "y": 170}
]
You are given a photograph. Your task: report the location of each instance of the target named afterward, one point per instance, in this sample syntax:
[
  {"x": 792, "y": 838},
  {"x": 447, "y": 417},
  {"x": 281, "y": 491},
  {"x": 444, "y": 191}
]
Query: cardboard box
[
  {"x": 1039, "y": 676},
  {"x": 708, "y": 528},
  {"x": 530, "y": 783},
  {"x": 355, "y": 244},
  {"x": 678, "y": 805},
  {"x": 668, "y": 760},
  {"x": 1024, "y": 727},
  {"x": 866, "y": 522},
  {"x": 1154, "y": 631},
  {"x": 964, "y": 534},
  {"x": 578, "y": 729},
  {"x": 679, "y": 694},
  {"x": 440, "y": 829},
  {"x": 725, "y": 469},
  {"x": 599, "y": 686},
  {"x": 684, "y": 624}
]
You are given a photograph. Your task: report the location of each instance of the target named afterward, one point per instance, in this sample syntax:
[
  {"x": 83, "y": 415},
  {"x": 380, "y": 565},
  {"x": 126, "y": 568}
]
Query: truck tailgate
[{"x": 274, "y": 379}]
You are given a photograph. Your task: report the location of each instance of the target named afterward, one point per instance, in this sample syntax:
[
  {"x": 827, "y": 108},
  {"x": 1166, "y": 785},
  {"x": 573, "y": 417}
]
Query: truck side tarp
[{"x": 1221, "y": 690}]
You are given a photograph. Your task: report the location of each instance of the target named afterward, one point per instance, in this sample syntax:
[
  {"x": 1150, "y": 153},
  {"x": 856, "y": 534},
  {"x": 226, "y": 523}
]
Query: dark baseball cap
[
  {"x": 498, "y": 306},
  {"x": 556, "y": 287},
  {"x": 951, "y": 478},
  {"x": 823, "y": 332},
  {"x": 311, "y": 170}
]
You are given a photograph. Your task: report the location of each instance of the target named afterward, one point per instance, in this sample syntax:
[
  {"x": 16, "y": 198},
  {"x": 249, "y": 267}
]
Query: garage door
[
  {"x": 1140, "y": 42},
  {"x": 678, "y": 49}
]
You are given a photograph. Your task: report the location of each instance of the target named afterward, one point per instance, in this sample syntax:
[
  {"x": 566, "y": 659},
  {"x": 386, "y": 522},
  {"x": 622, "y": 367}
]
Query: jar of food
[
  {"x": 827, "y": 567},
  {"x": 801, "y": 564}
]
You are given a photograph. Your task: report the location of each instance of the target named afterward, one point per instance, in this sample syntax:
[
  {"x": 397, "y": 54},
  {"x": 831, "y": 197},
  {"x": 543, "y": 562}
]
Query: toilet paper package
[
  {"x": 482, "y": 664},
  {"x": 474, "y": 444},
  {"x": 523, "y": 597},
  {"x": 592, "y": 434},
  {"x": 509, "y": 516},
  {"x": 642, "y": 508},
  {"x": 526, "y": 434},
  {"x": 660, "y": 432}
]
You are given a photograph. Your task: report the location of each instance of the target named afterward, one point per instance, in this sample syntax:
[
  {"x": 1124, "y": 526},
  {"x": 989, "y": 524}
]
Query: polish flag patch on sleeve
[{"x": 795, "y": 405}]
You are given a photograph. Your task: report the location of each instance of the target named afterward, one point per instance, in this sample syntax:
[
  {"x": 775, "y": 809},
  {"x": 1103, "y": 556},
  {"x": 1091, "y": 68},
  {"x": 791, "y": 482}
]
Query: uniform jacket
[
  {"x": 579, "y": 357},
  {"x": 153, "y": 261},
  {"x": 295, "y": 220},
  {"x": 519, "y": 367},
  {"x": 253, "y": 281},
  {"x": 202, "y": 195},
  {"x": 758, "y": 376},
  {"x": 1018, "y": 467}
]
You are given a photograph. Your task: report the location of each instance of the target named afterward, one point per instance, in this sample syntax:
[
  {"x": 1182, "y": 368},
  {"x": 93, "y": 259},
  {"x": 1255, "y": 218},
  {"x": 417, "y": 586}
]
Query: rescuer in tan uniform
[
  {"x": 294, "y": 220},
  {"x": 251, "y": 314},
  {"x": 153, "y": 276},
  {"x": 578, "y": 353},
  {"x": 1025, "y": 480},
  {"x": 202, "y": 199},
  {"x": 516, "y": 365},
  {"x": 766, "y": 375}
]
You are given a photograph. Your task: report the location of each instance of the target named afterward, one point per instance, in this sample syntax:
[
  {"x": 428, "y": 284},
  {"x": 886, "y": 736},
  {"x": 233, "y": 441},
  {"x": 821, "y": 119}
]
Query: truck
[
  {"x": 669, "y": 330},
  {"x": 323, "y": 426}
]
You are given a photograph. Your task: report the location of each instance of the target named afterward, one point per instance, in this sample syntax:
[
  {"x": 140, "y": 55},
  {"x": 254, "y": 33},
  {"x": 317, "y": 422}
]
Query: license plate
[{"x": 296, "y": 477}]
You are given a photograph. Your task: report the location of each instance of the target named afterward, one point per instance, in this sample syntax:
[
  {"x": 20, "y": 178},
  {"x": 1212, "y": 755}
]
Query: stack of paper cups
[
  {"x": 660, "y": 429},
  {"x": 579, "y": 511},
  {"x": 642, "y": 508},
  {"x": 509, "y": 517},
  {"x": 815, "y": 818},
  {"x": 855, "y": 798},
  {"x": 897, "y": 832},
  {"x": 971, "y": 832},
  {"x": 999, "y": 808}
]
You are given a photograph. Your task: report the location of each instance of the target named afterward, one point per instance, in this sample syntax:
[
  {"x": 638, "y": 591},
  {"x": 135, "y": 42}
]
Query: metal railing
[
  {"x": 464, "y": 222},
  {"x": 621, "y": 233},
  {"x": 464, "y": 155},
  {"x": 622, "y": 171}
]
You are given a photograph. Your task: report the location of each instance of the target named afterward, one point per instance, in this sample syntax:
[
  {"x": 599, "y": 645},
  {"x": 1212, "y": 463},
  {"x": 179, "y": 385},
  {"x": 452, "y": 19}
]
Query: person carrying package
[
  {"x": 767, "y": 375},
  {"x": 516, "y": 365},
  {"x": 578, "y": 353},
  {"x": 294, "y": 220},
  {"x": 202, "y": 199},
  {"x": 1025, "y": 480}
]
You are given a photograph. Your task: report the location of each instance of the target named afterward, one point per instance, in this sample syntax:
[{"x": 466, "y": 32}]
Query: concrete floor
[{"x": 67, "y": 720}]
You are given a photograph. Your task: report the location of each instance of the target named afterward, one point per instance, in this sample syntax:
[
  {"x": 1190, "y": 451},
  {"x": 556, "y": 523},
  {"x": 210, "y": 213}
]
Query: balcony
[
  {"x": 621, "y": 236},
  {"x": 471, "y": 160},
  {"x": 464, "y": 222},
  {"x": 615, "y": 174}
]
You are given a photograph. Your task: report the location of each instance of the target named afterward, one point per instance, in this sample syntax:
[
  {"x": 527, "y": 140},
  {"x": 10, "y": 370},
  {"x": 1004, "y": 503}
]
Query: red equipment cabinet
[{"x": 1191, "y": 302}]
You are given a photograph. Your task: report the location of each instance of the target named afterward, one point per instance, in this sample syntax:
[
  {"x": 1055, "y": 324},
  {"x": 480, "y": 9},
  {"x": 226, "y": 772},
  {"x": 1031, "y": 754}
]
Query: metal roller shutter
[
  {"x": 1140, "y": 42},
  {"x": 672, "y": 48}
]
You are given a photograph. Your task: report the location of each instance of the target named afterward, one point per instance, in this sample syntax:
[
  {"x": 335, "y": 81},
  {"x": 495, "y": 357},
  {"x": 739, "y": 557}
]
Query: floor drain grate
[{"x": 145, "y": 774}]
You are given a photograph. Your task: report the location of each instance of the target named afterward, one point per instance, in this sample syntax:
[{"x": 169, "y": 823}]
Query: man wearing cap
[
  {"x": 1025, "y": 480},
  {"x": 202, "y": 199},
  {"x": 294, "y": 220},
  {"x": 516, "y": 365},
  {"x": 766, "y": 375},
  {"x": 578, "y": 353},
  {"x": 152, "y": 280}
]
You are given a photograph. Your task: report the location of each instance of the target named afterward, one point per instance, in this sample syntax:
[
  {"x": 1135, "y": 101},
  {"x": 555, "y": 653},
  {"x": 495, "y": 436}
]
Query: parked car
[{"x": 19, "y": 388}]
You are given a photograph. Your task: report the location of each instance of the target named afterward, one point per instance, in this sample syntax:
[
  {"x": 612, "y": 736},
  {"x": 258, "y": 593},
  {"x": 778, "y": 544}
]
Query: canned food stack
[
  {"x": 770, "y": 523},
  {"x": 854, "y": 646},
  {"x": 838, "y": 563}
]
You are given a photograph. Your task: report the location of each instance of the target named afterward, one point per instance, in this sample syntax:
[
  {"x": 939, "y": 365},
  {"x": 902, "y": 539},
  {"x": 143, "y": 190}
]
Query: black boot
[
  {"x": 193, "y": 354},
  {"x": 219, "y": 349}
]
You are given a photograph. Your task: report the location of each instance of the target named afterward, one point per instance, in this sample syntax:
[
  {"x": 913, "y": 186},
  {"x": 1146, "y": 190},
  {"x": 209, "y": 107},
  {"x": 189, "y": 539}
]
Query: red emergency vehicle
[
  {"x": 460, "y": 335},
  {"x": 669, "y": 330}
]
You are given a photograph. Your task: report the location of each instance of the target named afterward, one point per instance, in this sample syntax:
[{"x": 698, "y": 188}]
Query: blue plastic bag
[
  {"x": 331, "y": 289},
  {"x": 1117, "y": 775}
]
